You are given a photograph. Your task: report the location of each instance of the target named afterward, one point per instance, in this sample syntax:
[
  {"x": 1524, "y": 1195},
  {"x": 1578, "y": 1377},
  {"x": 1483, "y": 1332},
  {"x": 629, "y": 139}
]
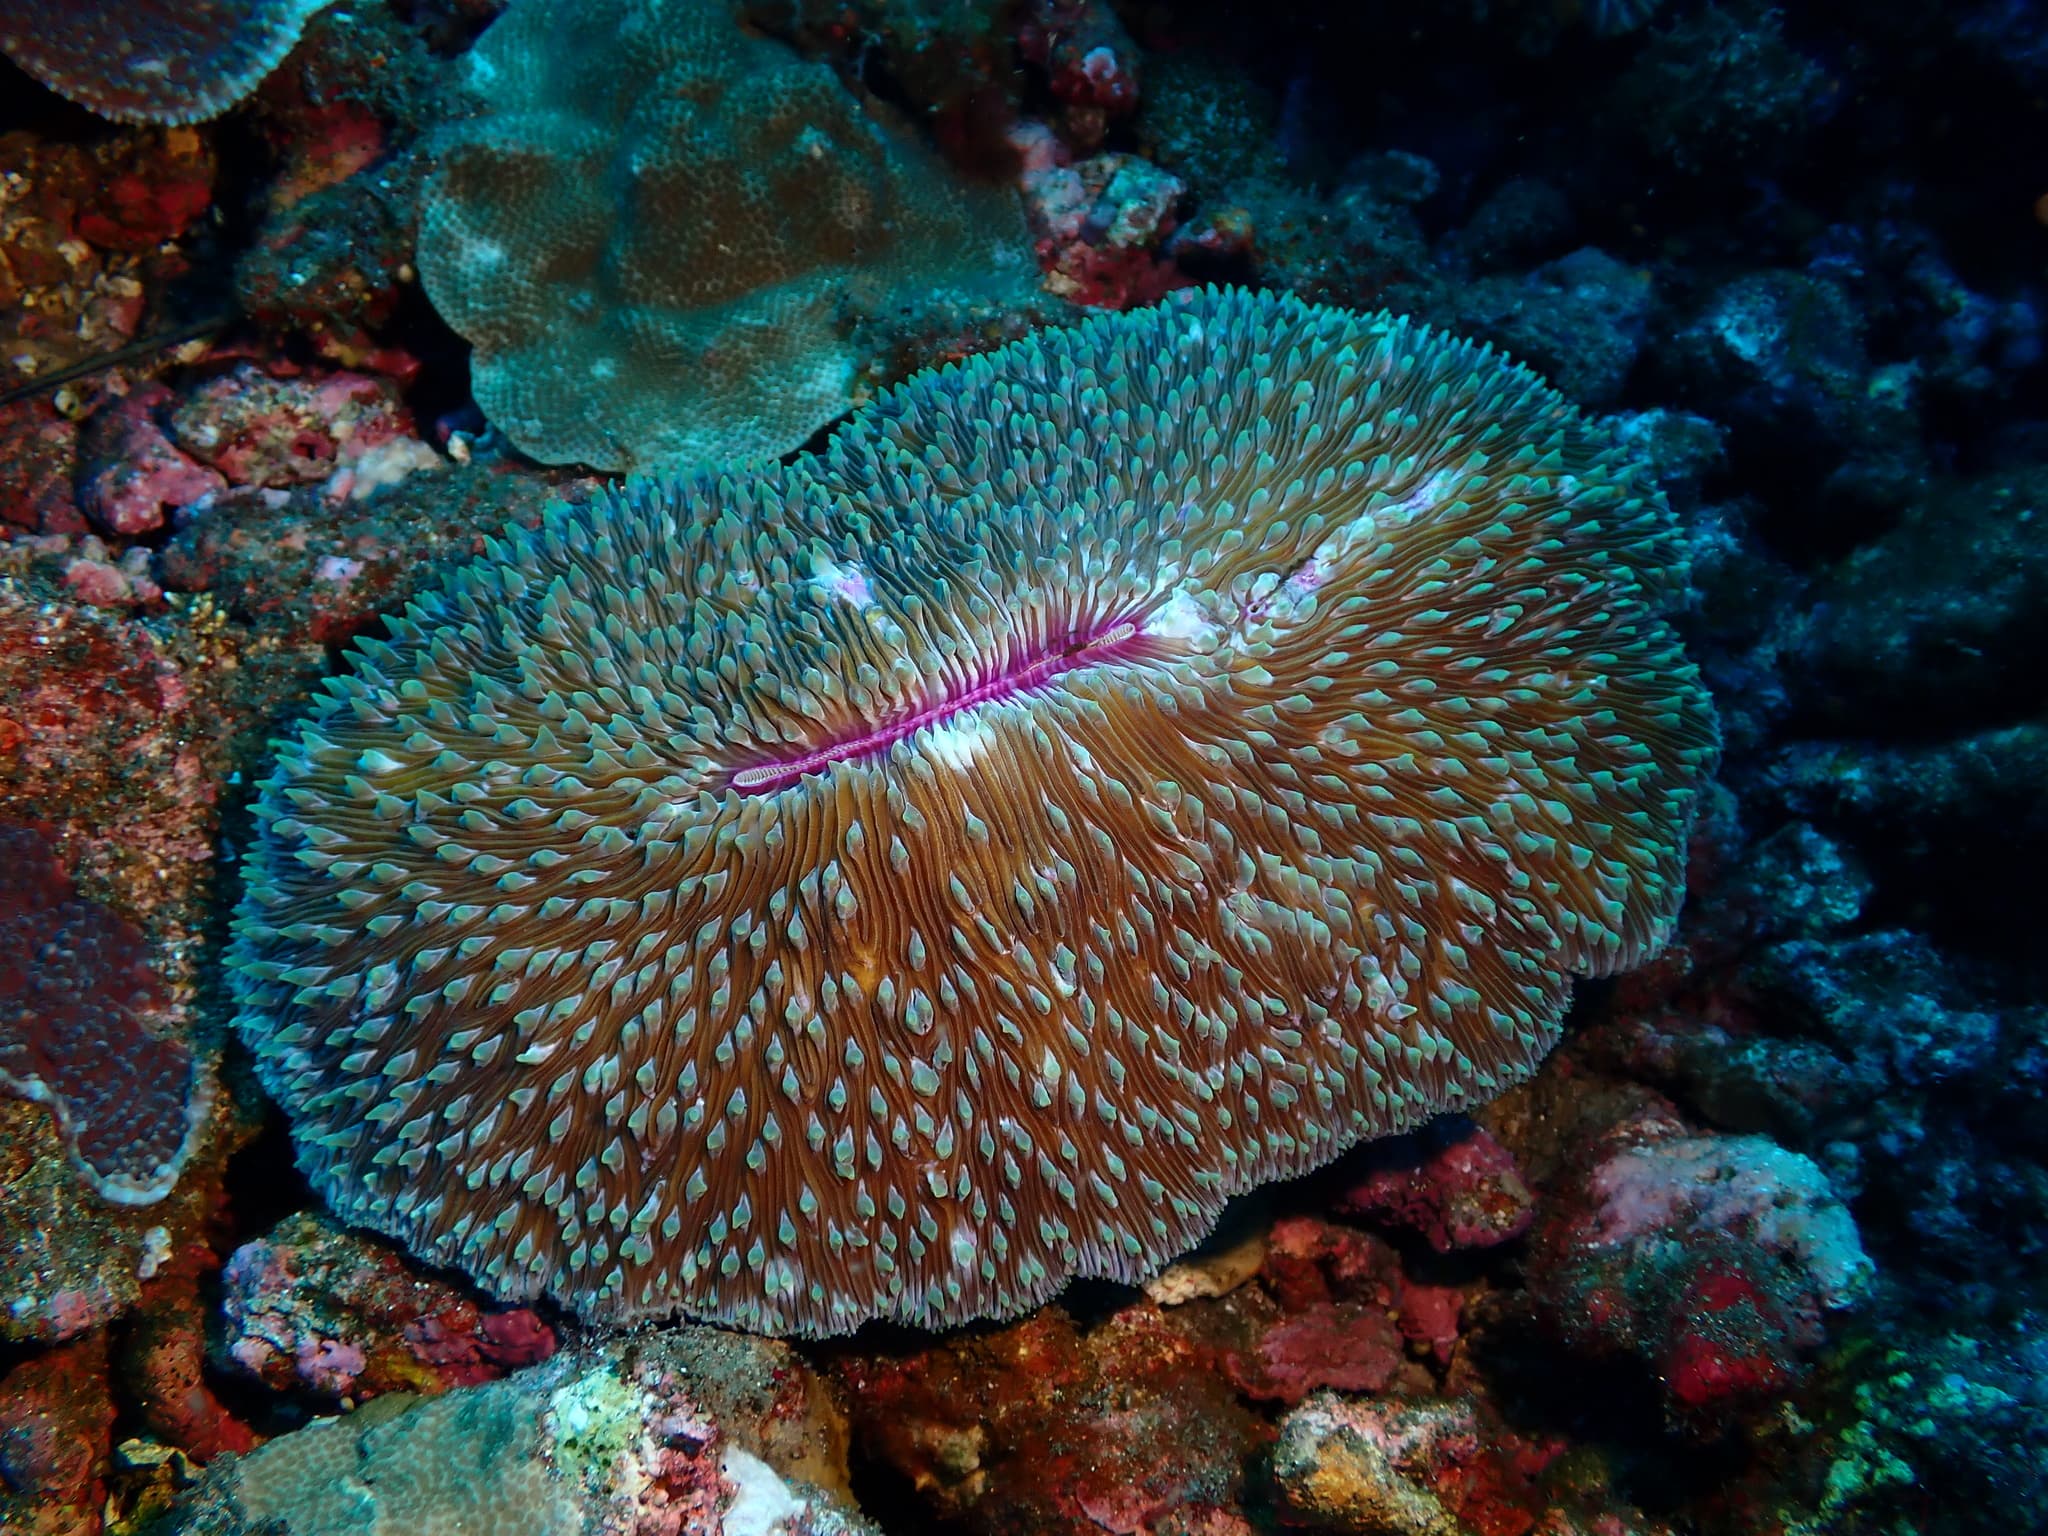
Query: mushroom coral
[{"x": 1119, "y": 770}]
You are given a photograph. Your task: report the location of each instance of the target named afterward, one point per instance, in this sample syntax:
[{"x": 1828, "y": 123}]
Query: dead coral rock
[
  {"x": 83, "y": 231},
  {"x": 1127, "y": 1427},
  {"x": 637, "y": 1437},
  {"x": 105, "y": 734},
  {"x": 647, "y": 183},
  {"x": 310, "y": 566},
  {"x": 259, "y": 429},
  {"x": 1100, "y": 223},
  {"x": 1214, "y": 1270},
  {"x": 343, "y": 118},
  {"x": 111, "y": 743},
  {"x": 1342, "y": 1467},
  {"x": 161, "y": 1357},
  {"x": 73, "y": 1263},
  {"x": 954, "y": 64},
  {"x": 1433, "y": 1466},
  {"x": 1090, "y": 63}
]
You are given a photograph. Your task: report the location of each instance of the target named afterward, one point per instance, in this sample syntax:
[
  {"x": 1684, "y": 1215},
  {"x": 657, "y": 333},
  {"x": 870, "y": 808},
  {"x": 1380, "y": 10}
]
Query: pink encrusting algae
[{"x": 891, "y": 884}]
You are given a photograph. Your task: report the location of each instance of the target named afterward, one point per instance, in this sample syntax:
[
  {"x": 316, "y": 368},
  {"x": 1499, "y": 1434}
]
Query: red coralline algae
[
  {"x": 56, "y": 1435},
  {"x": 1456, "y": 1192},
  {"x": 154, "y": 192},
  {"x": 92, "y": 577},
  {"x": 312, "y": 1308},
  {"x": 82, "y": 1020},
  {"x": 134, "y": 476},
  {"x": 152, "y": 61},
  {"x": 1713, "y": 1259},
  {"x": 38, "y": 455},
  {"x": 1344, "y": 1345},
  {"x": 1310, "y": 1261}
]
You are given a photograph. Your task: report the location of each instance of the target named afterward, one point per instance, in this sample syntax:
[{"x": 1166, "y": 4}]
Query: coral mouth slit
[{"x": 1085, "y": 651}]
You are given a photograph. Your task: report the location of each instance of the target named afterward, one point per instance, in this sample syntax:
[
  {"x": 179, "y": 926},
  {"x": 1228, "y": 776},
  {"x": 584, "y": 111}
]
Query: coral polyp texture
[
  {"x": 86, "y": 1027},
  {"x": 152, "y": 61},
  {"x": 1127, "y": 767},
  {"x": 668, "y": 239}
]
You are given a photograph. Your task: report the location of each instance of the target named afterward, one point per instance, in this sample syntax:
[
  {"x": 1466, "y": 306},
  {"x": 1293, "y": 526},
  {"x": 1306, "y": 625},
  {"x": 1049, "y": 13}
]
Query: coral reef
[
  {"x": 1790, "y": 249},
  {"x": 976, "y": 1062},
  {"x": 668, "y": 239}
]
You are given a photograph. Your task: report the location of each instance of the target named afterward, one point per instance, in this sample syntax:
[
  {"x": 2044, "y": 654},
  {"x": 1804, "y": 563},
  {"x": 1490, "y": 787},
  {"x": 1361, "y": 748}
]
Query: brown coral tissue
[{"x": 1128, "y": 767}]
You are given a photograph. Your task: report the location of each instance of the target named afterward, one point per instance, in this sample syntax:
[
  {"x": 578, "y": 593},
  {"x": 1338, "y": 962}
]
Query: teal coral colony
[{"x": 1120, "y": 770}]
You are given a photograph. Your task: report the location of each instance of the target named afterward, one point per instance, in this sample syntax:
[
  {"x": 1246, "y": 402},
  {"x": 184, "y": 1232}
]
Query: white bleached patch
[
  {"x": 1180, "y": 617},
  {"x": 762, "y": 1504},
  {"x": 843, "y": 583},
  {"x": 361, "y": 475}
]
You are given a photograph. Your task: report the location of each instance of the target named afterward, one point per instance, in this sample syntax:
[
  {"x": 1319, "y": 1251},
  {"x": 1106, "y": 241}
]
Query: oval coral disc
[{"x": 1125, "y": 768}]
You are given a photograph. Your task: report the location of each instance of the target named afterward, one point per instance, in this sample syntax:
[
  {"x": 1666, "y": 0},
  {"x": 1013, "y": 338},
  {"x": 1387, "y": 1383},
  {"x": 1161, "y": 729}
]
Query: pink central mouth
[{"x": 1085, "y": 650}]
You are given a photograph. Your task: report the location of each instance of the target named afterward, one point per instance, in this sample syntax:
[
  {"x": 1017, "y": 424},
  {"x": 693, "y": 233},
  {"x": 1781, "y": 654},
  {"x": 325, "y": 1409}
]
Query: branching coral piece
[
  {"x": 152, "y": 61},
  {"x": 83, "y": 1030},
  {"x": 663, "y": 234},
  {"x": 1131, "y": 766}
]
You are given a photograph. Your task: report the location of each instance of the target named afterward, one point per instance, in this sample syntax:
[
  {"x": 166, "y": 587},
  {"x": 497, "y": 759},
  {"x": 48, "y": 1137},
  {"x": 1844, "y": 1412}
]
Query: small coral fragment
[
  {"x": 152, "y": 61},
  {"x": 81, "y": 1030}
]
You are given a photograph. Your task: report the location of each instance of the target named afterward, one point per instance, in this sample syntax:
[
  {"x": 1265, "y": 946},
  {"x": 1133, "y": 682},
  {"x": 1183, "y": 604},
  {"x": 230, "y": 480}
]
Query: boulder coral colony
[
  {"x": 1112, "y": 780},
  {"x": 1128, "y": 767}
]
